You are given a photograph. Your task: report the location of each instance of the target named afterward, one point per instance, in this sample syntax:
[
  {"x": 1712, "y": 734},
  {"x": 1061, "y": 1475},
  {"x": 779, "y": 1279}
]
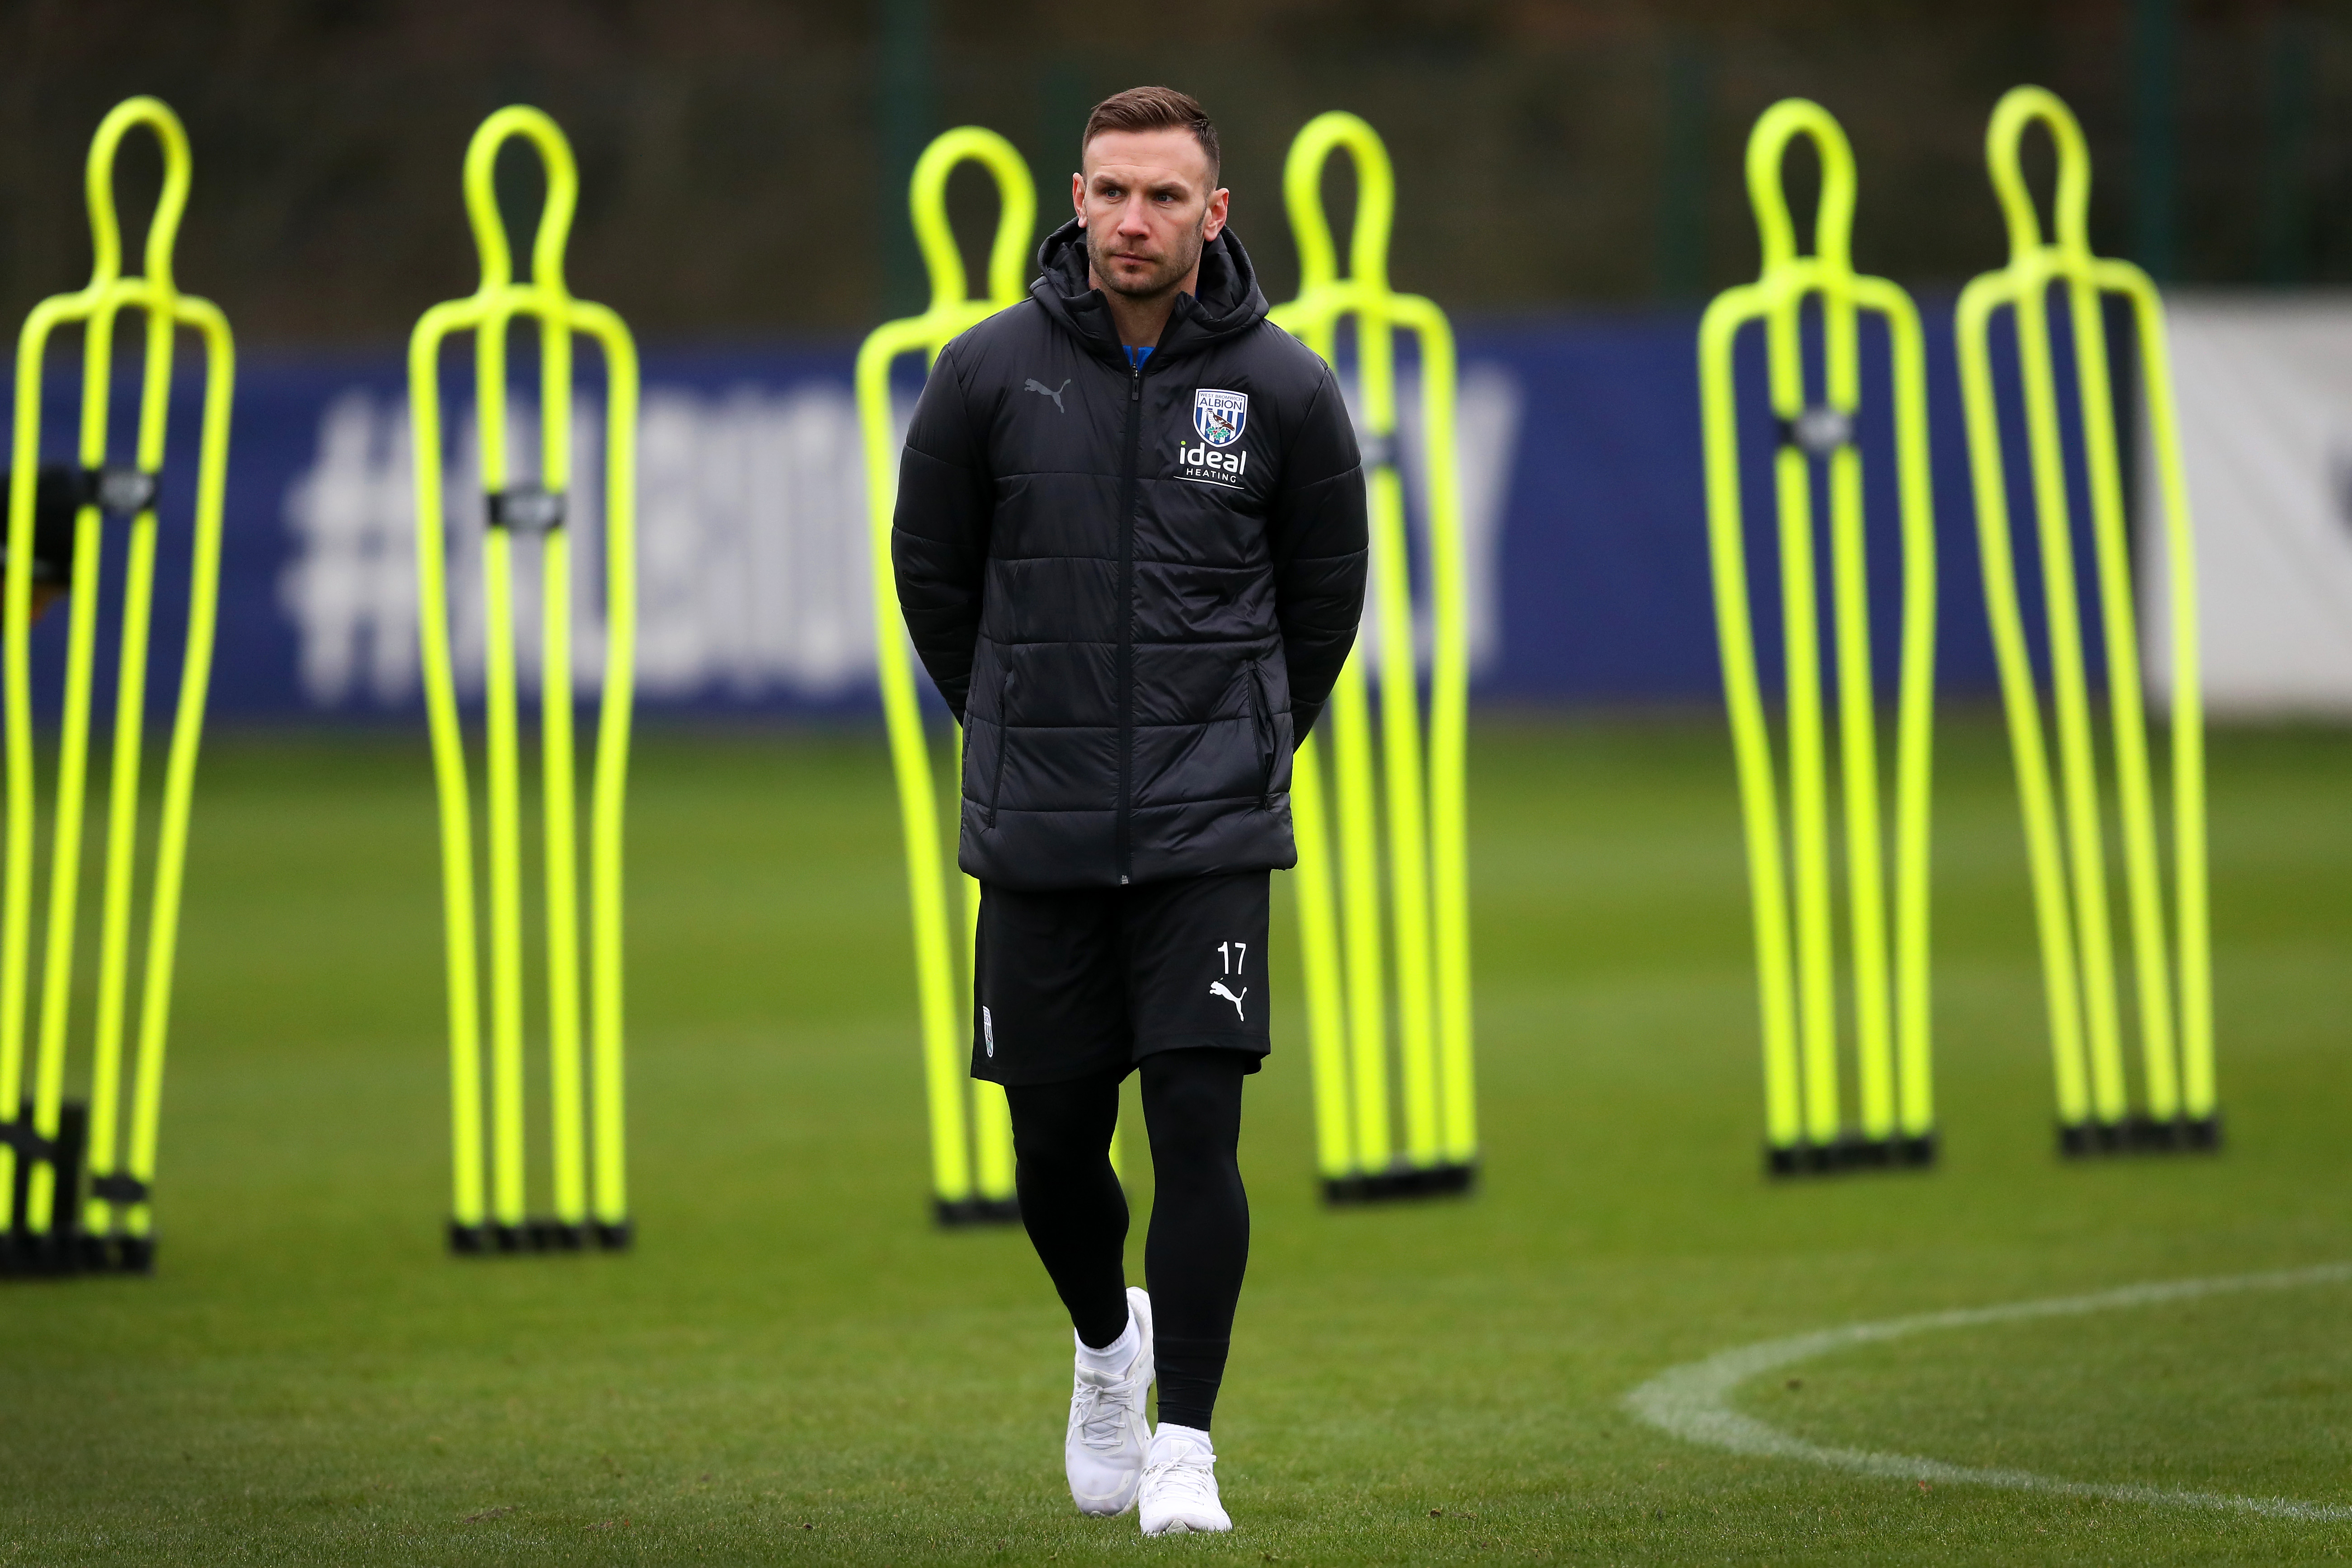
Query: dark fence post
[
  {"x": 904, "y": 104},
  {"x": 2156, "y": 136}
]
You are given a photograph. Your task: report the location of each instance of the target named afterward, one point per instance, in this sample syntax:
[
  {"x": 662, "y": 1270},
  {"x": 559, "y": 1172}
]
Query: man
[{"x": 1130, "y": 545}]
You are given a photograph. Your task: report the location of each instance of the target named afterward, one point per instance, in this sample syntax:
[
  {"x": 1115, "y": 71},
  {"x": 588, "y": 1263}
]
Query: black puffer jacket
[{"x": 1135, "y": 611}]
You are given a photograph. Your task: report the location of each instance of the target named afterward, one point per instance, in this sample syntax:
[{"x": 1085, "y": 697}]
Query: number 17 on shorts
[{"x": 1233, "y": 985}]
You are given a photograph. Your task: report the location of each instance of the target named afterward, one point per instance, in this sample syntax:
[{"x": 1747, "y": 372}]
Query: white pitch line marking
[{"x": 1694, "y": 1400}]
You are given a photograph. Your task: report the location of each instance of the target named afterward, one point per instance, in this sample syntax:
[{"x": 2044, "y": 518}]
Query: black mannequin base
[
  {"x": 2141, "y": 1135},
  {"x": 118, "y": 1254},
  {"x": 1447, "y": 1179},
  {"x": 954, "y": 1213},
  {"x": 64, "y": 1248},
  {"x": 26, "y": 1255},
  {"x": 540, "y": 1235},
  {"x": 1851, "y": 1154}
]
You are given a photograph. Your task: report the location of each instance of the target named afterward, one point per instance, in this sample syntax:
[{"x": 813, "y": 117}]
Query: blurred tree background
[{"x": 744, "y": 162}]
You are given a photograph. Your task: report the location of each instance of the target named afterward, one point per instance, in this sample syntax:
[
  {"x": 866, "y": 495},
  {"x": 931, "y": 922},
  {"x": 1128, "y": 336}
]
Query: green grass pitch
[{"x": 793, "y": 1366}]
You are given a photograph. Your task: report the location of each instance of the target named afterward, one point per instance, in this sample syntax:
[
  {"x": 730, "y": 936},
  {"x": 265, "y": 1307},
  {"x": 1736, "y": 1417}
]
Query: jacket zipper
[{"x": 1128, "y": 496}]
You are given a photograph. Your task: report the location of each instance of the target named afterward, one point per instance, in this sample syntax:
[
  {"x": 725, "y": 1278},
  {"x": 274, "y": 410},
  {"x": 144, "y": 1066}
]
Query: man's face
[{"x": 1145, "y": 200}]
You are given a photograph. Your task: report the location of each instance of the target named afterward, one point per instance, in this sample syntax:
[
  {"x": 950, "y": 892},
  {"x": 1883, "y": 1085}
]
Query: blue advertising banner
[{"x": 1583, "y": 504}]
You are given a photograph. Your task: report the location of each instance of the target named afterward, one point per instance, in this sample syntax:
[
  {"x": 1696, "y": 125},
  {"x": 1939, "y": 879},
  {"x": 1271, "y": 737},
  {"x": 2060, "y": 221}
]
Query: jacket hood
[{"x": 1229, "y": 301}]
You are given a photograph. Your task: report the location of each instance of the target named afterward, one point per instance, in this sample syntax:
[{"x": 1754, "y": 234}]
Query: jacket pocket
[
  {"x": 1262, "y": 715},
  {"x": 1003, "y": 742}
]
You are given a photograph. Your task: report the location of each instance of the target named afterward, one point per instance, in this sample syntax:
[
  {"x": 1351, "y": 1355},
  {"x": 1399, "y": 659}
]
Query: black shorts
[{"x": 1071, "y": 983}]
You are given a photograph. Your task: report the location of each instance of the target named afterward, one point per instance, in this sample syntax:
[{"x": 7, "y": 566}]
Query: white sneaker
[
  {"x": 1103, "y": 1451},
  {"x": 1180, "y": 1484}
]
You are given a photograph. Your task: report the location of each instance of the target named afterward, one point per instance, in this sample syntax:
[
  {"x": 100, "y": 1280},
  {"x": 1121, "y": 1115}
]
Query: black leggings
[{"x": 1199, "y": 1245}]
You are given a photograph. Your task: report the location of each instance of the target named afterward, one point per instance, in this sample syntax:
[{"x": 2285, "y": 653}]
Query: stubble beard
[{"x": 1164, "y": 279}]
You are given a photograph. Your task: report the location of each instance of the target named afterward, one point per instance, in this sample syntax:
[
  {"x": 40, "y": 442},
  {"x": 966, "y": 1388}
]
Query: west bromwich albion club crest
[{"x": 1218, "y": 417}]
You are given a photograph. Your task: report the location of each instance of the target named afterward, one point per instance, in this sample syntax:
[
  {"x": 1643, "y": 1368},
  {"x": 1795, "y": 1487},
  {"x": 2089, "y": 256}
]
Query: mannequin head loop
[
  {"x": 164, "y": 228},
  {"x": 1016, "y": 216},
  {"x": 2019, "y": 109},
  {"x": 482, "y": 197},
  {"x": 1302, "y": 189},
  {"x": 1768, "y": 147}
]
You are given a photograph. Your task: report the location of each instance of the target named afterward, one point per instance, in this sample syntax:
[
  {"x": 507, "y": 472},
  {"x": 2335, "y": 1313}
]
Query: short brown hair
[{"x": 1154, "y": 109}]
